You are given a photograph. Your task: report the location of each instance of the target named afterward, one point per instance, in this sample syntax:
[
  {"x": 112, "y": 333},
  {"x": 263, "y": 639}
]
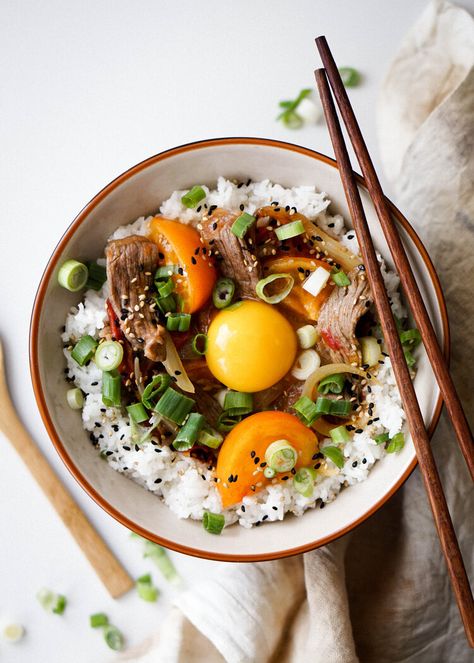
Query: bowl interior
[{"x": 140, "y": 192}]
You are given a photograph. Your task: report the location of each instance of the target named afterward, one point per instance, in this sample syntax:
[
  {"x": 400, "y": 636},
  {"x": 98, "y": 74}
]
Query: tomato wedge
[
  {"x": 299, "y": 301},
  {"x": 243, "y": 451},
  {"x": 181, "y": 245}
]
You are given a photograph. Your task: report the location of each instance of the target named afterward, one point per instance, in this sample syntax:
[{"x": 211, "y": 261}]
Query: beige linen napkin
[{"x": 380, "y": 594}]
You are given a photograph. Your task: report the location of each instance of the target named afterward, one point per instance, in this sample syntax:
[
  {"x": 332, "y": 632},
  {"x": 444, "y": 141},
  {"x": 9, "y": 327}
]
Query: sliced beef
[
  {"x": 236, "y": 257},
  {"x": 338, "y": 319},
  {"x": 131, "y": 264},
  {"x": 207, "y": 405},
  {"x": 280, "y": 396}
]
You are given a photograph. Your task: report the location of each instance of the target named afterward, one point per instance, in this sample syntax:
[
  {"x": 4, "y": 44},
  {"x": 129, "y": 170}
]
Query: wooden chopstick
[
  {"x": 407, "y": 278},
  {"x": 446, "y": 533}
]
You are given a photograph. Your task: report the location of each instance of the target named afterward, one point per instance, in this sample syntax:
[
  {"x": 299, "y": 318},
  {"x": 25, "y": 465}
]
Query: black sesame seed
[
  {"x": 361, "y": 268},
  {"x": 242, "y": 508},
  {"x": 354, "y": 464},
  {"x": 256, "y": 460},
  {"x": 196, "y": 251},
  {"x": 109, "y": 453},
  {"x": 359, "y": 431},
  {"x": 177, "y": 372},
  {"x": 293, "y": 471},
  {"x": 158, "y": 480},
  {"x": 126, "y": 447},
  {"x": 331, "y": 225},
  {"x": 97, "y": 424},
  {"x": 275, "y": 508},
  {"x": 285, "y": 478},
  {"x": 252, "y": 454},
  {"x": 214, "y": 226},
  {"x": 263, "y": 464},
  {"x": 180, "y": 271},
  {"x": 198, "y": 209},
  {"x": 193, "y": 260},
  {"x": 94, "y": 384},
  {"x": 264, "y": 517},
  {"x": 364, "y": 460},
  {"x": 241, "y": 207},
  {"x": 137, "y": 448},
  {"x": 317, "y": 466},
  {"x": 158, "y": 451},
  {"x": 321, "y": 506},
  {"x": 350, "y": 236}
]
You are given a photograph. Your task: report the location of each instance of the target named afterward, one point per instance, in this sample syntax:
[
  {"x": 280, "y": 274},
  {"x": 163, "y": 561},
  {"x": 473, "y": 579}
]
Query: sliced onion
[
  {"x": 174, "y": 366},
  {"x": 306, "y": 364},
  {"x": 280, "y": 296},
  {"x": 329, "y": 369},
  {"x": 316, "y": 281},
  {"x": 335, "y": 249},
  {"x": 371, "y": 351}
]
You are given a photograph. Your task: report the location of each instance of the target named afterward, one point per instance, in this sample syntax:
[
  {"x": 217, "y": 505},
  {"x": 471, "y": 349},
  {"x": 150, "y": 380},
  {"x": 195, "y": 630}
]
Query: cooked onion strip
[
  {"x": 174, "y": 366},
  {"x": 329, "y": 369},
  {"x": 306, "y": 364},
  {"x": 335, "y": 249}
]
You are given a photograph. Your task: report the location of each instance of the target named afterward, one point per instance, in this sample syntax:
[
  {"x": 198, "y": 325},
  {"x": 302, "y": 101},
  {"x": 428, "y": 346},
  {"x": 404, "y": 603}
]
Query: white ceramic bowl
[{"x": 138, "y": 192}]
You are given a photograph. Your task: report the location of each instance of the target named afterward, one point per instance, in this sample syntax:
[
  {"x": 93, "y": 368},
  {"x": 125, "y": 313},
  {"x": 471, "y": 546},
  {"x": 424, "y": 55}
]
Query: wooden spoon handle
[{"x": 107, "y": 566}]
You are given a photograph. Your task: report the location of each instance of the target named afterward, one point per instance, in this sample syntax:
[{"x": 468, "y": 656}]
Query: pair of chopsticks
[{"x": 446, "y": 533}]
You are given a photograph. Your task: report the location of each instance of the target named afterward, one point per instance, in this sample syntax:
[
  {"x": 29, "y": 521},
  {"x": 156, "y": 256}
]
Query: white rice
[{"x": 185, "y": 484}]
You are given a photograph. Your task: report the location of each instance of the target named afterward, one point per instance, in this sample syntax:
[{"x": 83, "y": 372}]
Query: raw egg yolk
[{"x": 250, "y": 346}]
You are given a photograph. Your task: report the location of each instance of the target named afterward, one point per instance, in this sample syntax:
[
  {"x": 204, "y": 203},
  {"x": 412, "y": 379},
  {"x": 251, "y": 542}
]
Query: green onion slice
[
  {"x": 163, "y": 272},
  {"x": 269, "y": 472},
  {"x": 165, "y": 288},
  {"x": 75, "y": 398},
  {"x": 84, "y": 349},
  {"x": 213, "y": 522},
  {"x": 242, "y": 224},
  {"x": 98, "y": 620},
  {"x": 306, "y": 410},
  {"x": 339, "y": 435},
  {"x": 334, "y": 454},
  {"x": 289, "y": 230},
  {"x": 72, "y": 275},
  {"x": 137, "y": 413},
  {"x": 178, "y": 322},
  {"x": 166, "y": 304},
  {"x": 108, "y": 355},
  {"x": 340, "y": 408},
  {"x": 340, "y": 278},
  {"x": 303, "y": 481},
  {"x": 281, "y": 456},
  {"x": 113, "y": 637},
  {"x": 289, "y": 116},
  {"x": 199, "y": 344},
  {"x": 146, "y": 589},
  {"x": 223, "y": 292},
  {"x": 286, "y": 284},
  {"x": 210, "y": 438},
  {"x": 97, "y": 276},
  {"x": 111, "y": 388},
  {"x": 382, "y": 438},
  {"x": 193, "y": 197},
  {"x": 410, "y": 338},
  {"x": 396, "y": 443},
  {"x": 160, "y": 558},
  {"x": 332, "y": 384},
  {"x": 227, "y": 422},
  {"x": 174, "y": 406},
  {"x": 157, "y": 386},
  {"x": 238, "y": 402},
  {"x": 52, "y": 602},
  {"x": 188, "y": 435},
  {"x": 350, "y": 76}
]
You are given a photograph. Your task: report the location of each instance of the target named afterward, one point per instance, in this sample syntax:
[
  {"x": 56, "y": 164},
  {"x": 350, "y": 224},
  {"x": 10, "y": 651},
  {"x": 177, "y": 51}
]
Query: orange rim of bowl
[{"x": 41, "y": 401}]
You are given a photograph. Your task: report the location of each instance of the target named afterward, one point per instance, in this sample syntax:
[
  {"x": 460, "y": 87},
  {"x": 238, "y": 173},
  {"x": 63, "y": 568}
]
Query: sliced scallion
[
  {"x": 335, "y": 455},
  {"x": 166, "y": 304},
  {"x": 306, "y": 410},
  {"x": 165, "y": 288},
  {"x": 146, "y": 589},
  {"x": 287, "y": 282},
  {"x": 12, "y": 632},
  {"x": 163, "y": 272},
  {"x": 350, "y": 76},
  {"x": 97, "y": 276},
  {"x": 111, "y": 388},
  {"x": 174, "y": 406},
  {"x": 226, "y": 422},
  {"x": 137, "y": 413},
  {"x": 157, "y": 386},
  {"x": 269, "y": 472},
  {"x": 98, "y": 620},
  {"x": 113, "y": 637},
  {"x": 332, "y": 384},
  {"x": 382, "y": 438},
  {"x": 193, "y": 197},
  {"x": 307, "y": 336},
  {"x": 75, "y": 398},
  {"x": 178, "y": 322},
  {"x": 52, "y": 602},
  {"x": 210, "y": 438},
  {"x": 410, "y": 359},
  {"x": 72, "y": 275},
  {"x": 242, "y": 224},
  {"x": 289, "y": 116},
  {"x": 213, "y": 522},
  {"x": 303, "y": 481},
  {"x": 339, "y": 435},
  {"x": 410, "y": 338},
  {"x": 396, "y": 443},
  {"x": 199, "y": 344},
  {"x": 84, "y": 349},
  {"x": 289, "y": 230},
  {"x": 281, "y": 456},
  {"x": 108, "y": 355},
  {"x": 370, "y": 349},
  {"x": 322, "y": 405},
  {"x": 340, "y": 408},
  {"x": 340, "y": 278},
  {"x": 238, "y": 402},
  {"x": 187, "y": 436},
  {"x": 223, "y": 292},
  {"x": 161, "y": 559}
]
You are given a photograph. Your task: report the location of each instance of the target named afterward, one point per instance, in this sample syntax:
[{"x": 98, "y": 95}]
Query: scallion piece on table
[
  {"x": 84, "y": 349},
  {"x": 340, "y": 408},
  {"x": 164, "y": 272},
  {"x": 306, "y": 410},
  {"x": 52, "y": 602},
  {"x": 146, "y": 589},
  {"x": 193, "y": 197},
  {"x": 137, "y": 412},
  {"x": 339, "y": 435},
  {"x": 165, "y": 288},
  {"x": 242, "y": 224},
  {"x": 178, "y": 322},
  {"x": 303, "y": 481},
  {"x": 227, "y": 422},
  {"x": 187, "y": 436},
  {"x": 210, "y": 438},
  {"x": 98, "y": 620},
  {"x": 396, "y": 443},
  {"x": 223, "y": 292},
  {"x": 108, "y": 355},
  {"x": 269, "y": 472},
  {"x": 335, "y": 455},
  {"x": 238, "y": 402},
  {"x": 156, "y": 386},
  {"x": 161, "y": 559},
  {"x": 350, "y": 76},
  {"x": 382, "y": 438},
  {"x": 213, "y": 522},
  {"x": 332, "y": 384},
  {"x": 281, "y": 456},
  {"x": 72, "y": 275},
  {"x": 111, "y": 388},
  {"x": 12, "y": 632},
  {"x": 166, "y": 304},
  {"x": 113, "y": 637},
  {"x": 286, "y": 285},
  {"x": 289, "y": 230},
  {"x": 340, "y": 278},
  {"x": 97, "y": 276},
  {"x": 174, "y": 406},
  {"x": 289, "y": 116},
  {"x": 75, "y": 398},
  {"x": 199, "y": 344}
]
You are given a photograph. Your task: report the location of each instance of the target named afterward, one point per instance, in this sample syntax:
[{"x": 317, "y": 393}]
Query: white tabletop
[{"x": 90, "y": 88}]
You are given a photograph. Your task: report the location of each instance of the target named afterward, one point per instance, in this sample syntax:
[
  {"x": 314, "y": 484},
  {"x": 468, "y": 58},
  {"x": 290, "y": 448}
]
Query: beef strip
[
  {"x": 280, "y": 396},
  {"x": 338, "y": 319},
  {"x": 236, "y": 256},
  {"x": 131, "y": 264},
  {"x": 207, "y": 405}
]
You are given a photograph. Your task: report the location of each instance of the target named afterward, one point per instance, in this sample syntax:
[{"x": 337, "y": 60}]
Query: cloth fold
[{"x": 380, "y": 594}]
